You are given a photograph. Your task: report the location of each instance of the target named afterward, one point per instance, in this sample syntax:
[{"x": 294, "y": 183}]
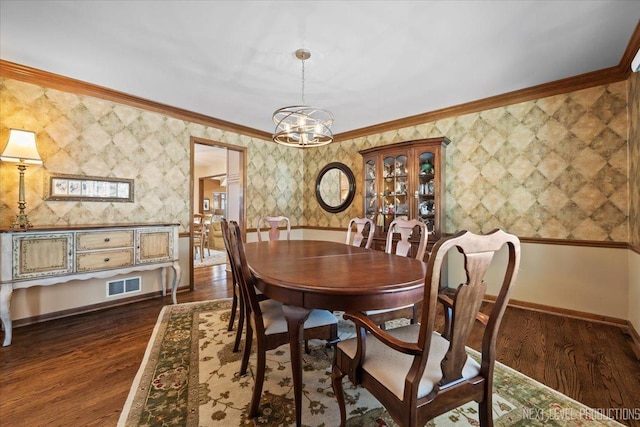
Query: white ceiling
[{"x": 371, "y": 61}]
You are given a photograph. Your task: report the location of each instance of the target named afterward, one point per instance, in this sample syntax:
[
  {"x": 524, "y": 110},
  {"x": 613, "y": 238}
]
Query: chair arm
[
  {"x": 447, "y": 302},
  {"x": 362, "y": 321}
]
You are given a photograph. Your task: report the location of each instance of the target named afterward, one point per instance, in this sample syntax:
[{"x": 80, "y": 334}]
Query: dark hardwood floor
[{"x": 77, "y": 371}]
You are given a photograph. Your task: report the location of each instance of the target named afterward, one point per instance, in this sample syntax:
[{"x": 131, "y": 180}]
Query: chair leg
[
  {"x": 485, "y": 416},
  {"x": 261, "y": 366},
  {"x": 234, "y": 307},
  {"x": 247, "y": 350},
  {"x": 336, "y": 383},
  {"x": 241, "y": 318}
]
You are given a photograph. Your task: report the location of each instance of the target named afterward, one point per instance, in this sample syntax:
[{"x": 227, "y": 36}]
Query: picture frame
[
  {"x": 65, "y": 187},
  {"x": 206, "y": 205}
]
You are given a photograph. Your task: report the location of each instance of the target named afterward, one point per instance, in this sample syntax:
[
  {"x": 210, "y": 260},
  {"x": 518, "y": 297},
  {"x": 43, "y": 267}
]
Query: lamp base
[{"x": 21, "y": 222}]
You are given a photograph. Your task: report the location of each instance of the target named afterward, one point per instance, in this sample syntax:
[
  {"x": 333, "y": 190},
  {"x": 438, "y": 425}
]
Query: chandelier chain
[{"x": 303, "y": 103}]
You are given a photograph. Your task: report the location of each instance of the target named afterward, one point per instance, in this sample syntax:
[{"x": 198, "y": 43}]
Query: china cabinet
[{"x": 406, "y": 179}]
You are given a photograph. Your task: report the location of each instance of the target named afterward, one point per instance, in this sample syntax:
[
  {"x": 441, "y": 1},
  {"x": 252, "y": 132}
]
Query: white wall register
[{"x": 49, "y": 255}]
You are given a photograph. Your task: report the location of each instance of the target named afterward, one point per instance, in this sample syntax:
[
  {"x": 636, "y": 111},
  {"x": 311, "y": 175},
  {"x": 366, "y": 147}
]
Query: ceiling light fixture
[{"x": 300, "y": 125}]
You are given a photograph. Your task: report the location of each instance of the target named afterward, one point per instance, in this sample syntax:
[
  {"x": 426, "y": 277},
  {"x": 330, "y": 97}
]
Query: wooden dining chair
[
  {"x": 237, "y": 302},
  {"x": 207, "y": 219},
  {"x": 266, "y": 318},
  {"x": 274, "y": 222},
  {"x": 406, "y": 229},
  {"x": 413, "y": 371},
  {"x": 363, "y": 233},
  {"x": 199, "y": 236}
]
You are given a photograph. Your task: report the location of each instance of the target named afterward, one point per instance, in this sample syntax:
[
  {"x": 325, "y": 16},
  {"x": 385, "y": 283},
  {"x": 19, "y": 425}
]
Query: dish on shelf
[{"x": 423, "y": 208}]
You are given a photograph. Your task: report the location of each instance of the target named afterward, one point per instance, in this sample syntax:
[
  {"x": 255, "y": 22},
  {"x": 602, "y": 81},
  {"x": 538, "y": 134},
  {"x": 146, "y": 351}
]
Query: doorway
[{"x": 217, "y": 191}]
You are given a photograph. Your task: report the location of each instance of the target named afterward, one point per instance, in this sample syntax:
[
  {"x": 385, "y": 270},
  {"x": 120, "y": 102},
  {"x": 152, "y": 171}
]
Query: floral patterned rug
[{"x": 188, "y": 377}]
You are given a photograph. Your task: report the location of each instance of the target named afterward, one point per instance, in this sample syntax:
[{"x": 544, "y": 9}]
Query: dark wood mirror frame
[{"x": 350, "y": 194}]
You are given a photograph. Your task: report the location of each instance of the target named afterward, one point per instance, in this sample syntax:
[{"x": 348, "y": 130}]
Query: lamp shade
[{"x": 21, "y": 148}]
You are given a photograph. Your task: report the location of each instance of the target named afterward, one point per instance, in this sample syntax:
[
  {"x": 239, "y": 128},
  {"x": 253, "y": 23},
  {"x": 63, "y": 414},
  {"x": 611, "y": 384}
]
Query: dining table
[{"x": 309, "y": 274}]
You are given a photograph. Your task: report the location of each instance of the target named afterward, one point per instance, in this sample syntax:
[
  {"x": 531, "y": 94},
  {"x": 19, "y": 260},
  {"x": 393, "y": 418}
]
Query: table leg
[
  {"x": 295, "y": 322},
  {"x": 5, "y": 312}
]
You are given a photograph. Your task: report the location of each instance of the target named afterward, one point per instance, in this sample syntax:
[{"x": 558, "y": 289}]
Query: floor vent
[{"x": 124, "y": 286}]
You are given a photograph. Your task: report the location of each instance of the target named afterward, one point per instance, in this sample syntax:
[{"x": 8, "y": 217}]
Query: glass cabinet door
[
  {"x": 394, "y": 189},
  {"x": 371, "y": 191},
  {"x": 425, "y": 192}
]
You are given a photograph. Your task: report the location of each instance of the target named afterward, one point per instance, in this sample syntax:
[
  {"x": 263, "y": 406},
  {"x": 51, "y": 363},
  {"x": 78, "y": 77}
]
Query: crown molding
[{"x": 26, "y": 74}]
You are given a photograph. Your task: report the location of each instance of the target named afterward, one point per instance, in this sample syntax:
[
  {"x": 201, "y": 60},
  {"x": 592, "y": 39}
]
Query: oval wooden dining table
[{"x": 309, "y": 274}]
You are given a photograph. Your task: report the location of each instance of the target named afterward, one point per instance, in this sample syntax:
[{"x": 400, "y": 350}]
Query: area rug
[
  {"x": 188, "y": 377},
  {"x": 212, "y": 257}
]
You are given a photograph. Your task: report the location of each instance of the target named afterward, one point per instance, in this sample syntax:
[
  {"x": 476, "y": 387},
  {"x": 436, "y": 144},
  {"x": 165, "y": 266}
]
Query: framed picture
[
  {"x": 87, "y": 188},
  {"x": 206, "y": 205}
]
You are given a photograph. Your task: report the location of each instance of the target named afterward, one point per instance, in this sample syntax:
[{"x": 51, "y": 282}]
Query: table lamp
[{"x": 21, "y": 149}]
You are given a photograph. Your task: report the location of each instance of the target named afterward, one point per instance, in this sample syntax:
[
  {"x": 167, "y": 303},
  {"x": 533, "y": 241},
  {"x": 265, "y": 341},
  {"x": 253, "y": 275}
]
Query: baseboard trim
[
  {"x": 635, "y": 337},
  {"x": 565, "y": 312},
  {"x": 89, "y": 308}
]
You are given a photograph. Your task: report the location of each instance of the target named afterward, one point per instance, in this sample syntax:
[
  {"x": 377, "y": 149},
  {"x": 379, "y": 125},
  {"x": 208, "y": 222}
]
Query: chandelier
[{"x": 301, "y": 125}]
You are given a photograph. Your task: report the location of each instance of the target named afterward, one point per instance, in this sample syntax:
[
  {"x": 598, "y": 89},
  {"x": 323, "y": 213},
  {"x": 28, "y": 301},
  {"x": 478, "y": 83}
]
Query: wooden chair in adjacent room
[
  {"x": 363, "y": 235},
  {"x": 207, "y": 220},
  {"x": 266, "y": 318},
  {"x": 413, "y": 371},
  {"x": 199, "y": 235},
  {"x": 273, "y": 224},
  {"x": 406, "y": 229}
]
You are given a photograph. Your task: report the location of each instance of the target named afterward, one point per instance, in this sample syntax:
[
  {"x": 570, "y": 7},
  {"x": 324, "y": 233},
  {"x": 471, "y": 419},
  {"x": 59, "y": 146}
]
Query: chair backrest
[
  {"x": 478, "y": 253},
  {"x": 361, "y": 229},
  {"x": 406, "y": 229},
  {"x": 246, "y": 281},
  {"x": 224, "y": 227},
  {"x": 199, "y": 228},
  {"x": 274, "y": 222}
]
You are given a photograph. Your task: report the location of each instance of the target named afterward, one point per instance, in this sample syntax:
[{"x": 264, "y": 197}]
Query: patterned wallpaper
[
  {"x": 88, "y": 136},
  {"x": 634, "y": 156},
  {"x": 555, "y": 167}
]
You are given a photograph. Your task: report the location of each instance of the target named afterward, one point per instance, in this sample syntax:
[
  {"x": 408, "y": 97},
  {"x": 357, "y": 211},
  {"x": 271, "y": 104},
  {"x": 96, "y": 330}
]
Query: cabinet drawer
[
  {"x": 104, "y": 239},
  {"x": 104, "y": 260}
]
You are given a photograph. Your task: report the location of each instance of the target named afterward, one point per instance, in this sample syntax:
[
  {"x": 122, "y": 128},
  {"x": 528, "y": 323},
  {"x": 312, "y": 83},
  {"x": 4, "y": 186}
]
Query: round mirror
[{"x": 335, "y": 187}]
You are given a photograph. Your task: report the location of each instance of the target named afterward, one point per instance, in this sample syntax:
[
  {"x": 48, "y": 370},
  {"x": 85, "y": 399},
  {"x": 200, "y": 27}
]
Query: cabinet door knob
[
  {"x": 106, "y": 260},
  {"x": 106, "y": 239}
]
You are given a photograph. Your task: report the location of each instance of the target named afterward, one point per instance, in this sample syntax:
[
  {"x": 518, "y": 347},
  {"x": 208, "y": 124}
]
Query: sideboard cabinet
[
  {"x": 405, "y": 179},
  {"x": 45, "y": 256}
]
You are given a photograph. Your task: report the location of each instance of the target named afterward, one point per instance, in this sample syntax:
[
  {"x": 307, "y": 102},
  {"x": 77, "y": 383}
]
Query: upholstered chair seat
[
  {"x": 275, "y": 321},
  {"x": 390, "y": 367}
]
